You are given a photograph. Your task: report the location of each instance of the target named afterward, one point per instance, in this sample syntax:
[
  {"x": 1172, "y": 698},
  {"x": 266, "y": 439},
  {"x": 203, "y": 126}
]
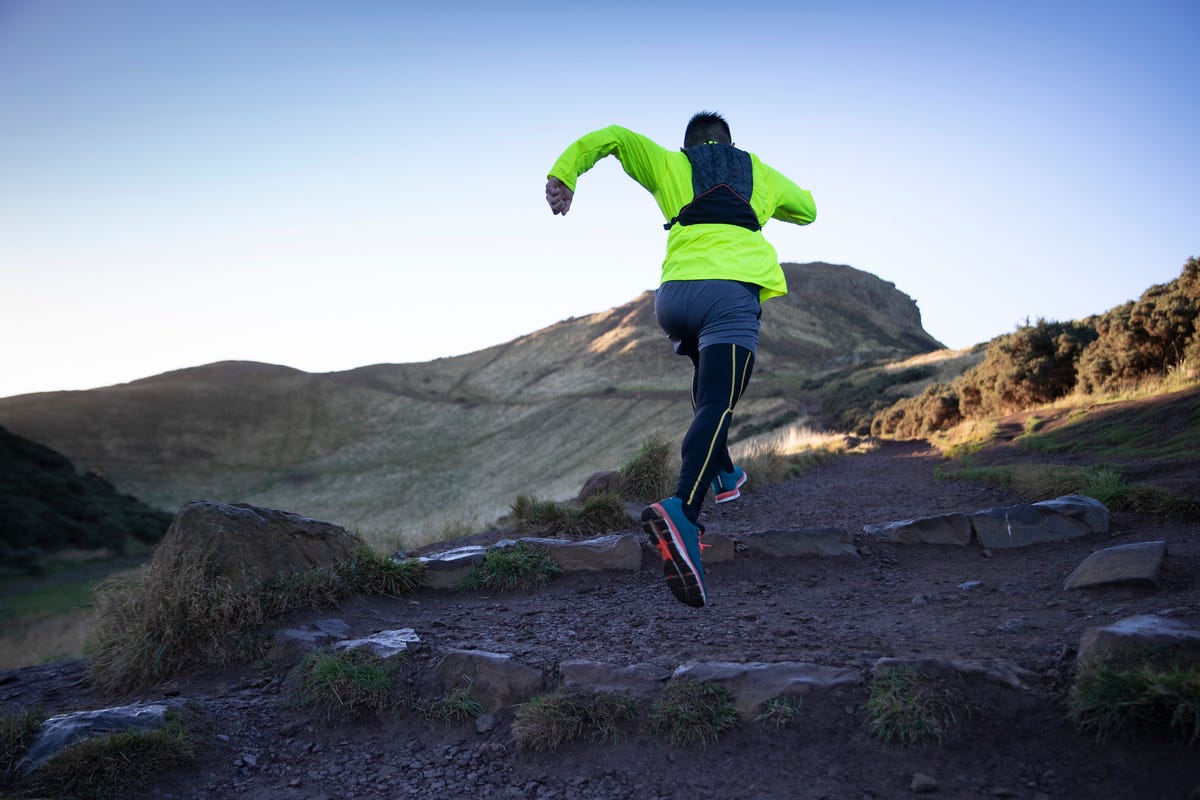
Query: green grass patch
[
  {"x": 1036, "y": 482},
  {"x": 346, "y": 684},
  {"x": 18, "y": 729},
  {"x": 517, "y": 566},
  {"x": 456, "y": 706},
  {"x": 550, "y": 720},
  {"x": 599, "y": 514},
  {"x": 1127, "y": 698},
  {"x": 779, "y": 712},
  {"x": 908, "y": 708},
  {"x": 691, "y": 713},
  {"x": 114, "y": 765},
  {"x": 1133, "y": 432}
]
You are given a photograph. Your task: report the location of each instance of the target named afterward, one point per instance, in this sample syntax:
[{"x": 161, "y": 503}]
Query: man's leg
[{"x": 721, "y": 375}]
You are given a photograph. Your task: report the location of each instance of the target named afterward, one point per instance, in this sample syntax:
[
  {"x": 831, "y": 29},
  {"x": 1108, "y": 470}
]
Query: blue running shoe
[
  {"x": 728, "y": 485},
  {"x": 677, "y": 540}
]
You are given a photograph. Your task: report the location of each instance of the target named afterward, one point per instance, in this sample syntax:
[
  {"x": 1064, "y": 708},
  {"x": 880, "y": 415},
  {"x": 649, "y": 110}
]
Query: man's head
[{"x": 704, "y": 127}]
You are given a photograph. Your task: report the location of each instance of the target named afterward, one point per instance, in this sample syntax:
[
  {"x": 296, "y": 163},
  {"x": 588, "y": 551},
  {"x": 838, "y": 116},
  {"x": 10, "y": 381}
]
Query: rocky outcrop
[{"x": 247, "y": 545}]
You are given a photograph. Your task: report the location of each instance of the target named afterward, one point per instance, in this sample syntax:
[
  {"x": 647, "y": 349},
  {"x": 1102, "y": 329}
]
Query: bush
[
  {"x": 688, "y": 713},
  {"x": 518, "y": 566}
]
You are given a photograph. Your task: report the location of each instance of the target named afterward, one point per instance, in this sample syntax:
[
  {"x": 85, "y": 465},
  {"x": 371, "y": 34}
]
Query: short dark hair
[{"x": 706, "y": 126}]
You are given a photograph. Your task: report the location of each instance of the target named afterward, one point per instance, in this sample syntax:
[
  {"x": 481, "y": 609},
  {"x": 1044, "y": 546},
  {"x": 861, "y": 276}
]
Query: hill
[
  {"x": 401, "y": 450},
  {"x": 46, "y": 506}
]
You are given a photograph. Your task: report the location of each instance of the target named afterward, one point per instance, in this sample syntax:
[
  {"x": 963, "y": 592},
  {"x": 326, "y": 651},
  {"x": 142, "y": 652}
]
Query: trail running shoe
[
  {"x": 677, "y": 540},
  {"x": 728, "y": 485}
]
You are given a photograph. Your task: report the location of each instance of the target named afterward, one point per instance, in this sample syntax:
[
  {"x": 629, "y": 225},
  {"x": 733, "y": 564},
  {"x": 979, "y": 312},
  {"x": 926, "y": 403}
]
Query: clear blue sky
[{"x": 339, "y": 183}]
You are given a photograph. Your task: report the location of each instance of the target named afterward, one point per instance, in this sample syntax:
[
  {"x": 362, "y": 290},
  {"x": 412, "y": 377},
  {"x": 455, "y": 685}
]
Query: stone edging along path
[{"x": 498, "y": 681}]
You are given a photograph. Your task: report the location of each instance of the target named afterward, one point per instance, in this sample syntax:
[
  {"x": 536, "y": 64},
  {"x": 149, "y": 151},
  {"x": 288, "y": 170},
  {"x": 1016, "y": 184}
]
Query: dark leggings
[{"x": 721, "y": 373}]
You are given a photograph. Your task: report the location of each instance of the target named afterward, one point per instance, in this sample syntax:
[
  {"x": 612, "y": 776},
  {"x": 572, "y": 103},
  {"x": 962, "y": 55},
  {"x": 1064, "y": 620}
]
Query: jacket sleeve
[
  {"x": 792, "y": 204},
  {"x": 640, "y": 157}
]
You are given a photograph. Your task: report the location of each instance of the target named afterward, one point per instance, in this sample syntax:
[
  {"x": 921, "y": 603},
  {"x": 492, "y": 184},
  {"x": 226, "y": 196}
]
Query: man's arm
[
  {"x": 640, "y": 157},
  {"x": 792, "y": 204}
]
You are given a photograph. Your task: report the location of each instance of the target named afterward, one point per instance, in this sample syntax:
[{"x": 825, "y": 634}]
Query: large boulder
[
  {"x": 1033, "y": 523},
  {"x": 248, "y": 545},
  {"x": 615, "y": 552}
]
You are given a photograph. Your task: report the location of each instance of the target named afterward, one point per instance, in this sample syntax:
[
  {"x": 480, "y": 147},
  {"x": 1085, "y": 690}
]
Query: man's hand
[{"x": 558, "y": 195}]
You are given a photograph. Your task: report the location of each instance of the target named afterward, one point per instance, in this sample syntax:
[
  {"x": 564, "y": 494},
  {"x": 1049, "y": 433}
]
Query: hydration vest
[{"x": 722, "y": 183}]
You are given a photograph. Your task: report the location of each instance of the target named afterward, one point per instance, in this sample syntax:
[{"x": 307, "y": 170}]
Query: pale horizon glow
[{"x": 330, "y": 185}]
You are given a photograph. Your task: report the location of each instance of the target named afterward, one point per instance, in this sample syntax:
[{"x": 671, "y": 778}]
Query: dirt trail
[{"x": 845, "y": 612}]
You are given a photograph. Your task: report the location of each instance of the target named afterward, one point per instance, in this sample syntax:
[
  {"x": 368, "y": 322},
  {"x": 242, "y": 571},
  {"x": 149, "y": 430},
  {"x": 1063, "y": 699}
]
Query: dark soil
[{"x": 893, "y": 600}]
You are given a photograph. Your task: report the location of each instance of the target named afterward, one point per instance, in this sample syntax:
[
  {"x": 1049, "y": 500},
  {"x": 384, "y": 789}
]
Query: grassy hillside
[{"x": 396, "y": 451}]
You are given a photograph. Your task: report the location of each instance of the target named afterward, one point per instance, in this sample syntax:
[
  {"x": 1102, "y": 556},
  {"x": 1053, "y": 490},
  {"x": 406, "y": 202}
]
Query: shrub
[
  {"x": 518, "y": 566},
  {"x": 1123, "y": 697},
  {"x": 550, "y": 720},
  {"x": 348, "y": 683},
  {"x": 688, "y": 712},
  {"x": 114, "y": 765},
  {"x": 906, "y": 708}
]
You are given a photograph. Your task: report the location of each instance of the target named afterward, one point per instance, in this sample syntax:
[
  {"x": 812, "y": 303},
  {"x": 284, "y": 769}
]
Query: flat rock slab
[
  {"x": 294, "y": 642},
  {"x": 1145, "y": 632},
  {"x": 641, "y": 681},
  {"x": 496, "y": 680},
  {"x": 612, "y": 552},
  {"x": 1034, "y": 523},
  {"x": 823, "y": 542},
  {"x": 64, "y": 730},
  {"x": 444, "y": 570},
  {"x": 385, "y": 644},
  {"x": 1137, "y": 564},
  {"x": 952, "y": 529},
  {"x": 754, "y": 683},
  {"x": 1002, "y": 674}
]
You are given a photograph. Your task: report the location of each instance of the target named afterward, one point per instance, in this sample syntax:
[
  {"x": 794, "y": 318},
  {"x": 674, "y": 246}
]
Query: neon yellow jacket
[{"x": 697, "y": 252}]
